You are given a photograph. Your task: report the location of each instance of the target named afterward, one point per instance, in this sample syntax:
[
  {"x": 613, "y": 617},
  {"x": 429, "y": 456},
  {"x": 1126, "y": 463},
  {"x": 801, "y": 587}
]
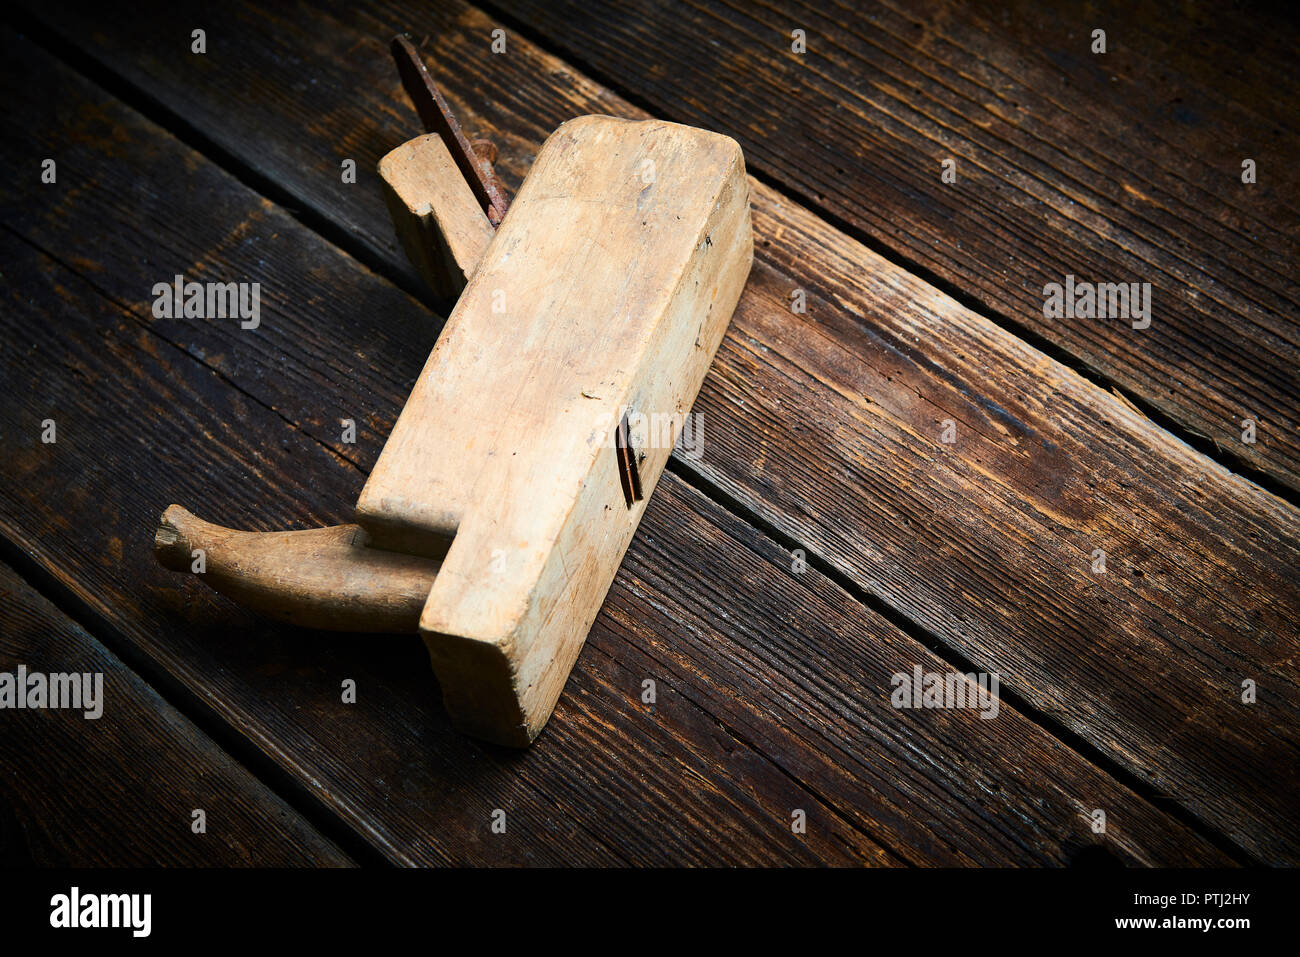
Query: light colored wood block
[
  {"x": 440, "y": 224},
  {"x": 606, "y": 289}
]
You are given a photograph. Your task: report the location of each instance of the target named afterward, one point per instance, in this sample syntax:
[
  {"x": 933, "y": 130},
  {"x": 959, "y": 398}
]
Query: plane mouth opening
[{"x": 629, "y": 475}]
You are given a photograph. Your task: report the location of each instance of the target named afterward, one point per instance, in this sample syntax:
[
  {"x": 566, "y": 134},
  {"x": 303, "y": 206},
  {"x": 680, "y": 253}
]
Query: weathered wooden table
[{"x": 908, "y": 462}]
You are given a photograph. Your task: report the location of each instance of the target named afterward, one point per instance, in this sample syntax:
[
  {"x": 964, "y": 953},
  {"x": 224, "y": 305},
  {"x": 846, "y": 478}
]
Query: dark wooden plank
[
  {"x": 1122, "y": 167},
  {"x": 764, "y": 706},
  {"x": 141, "y": 422},
  {"x": 828, "y": 426},
  {"x": 120, "y": 789}
]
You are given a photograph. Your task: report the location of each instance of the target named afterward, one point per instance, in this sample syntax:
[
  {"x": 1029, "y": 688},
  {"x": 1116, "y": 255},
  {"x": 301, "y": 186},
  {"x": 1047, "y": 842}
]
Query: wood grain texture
[
  {"x": 1116, "y": 167},
  {"x": 120, "y": 789},
  {"x": 828, "y": 426},
  {"x": 763, "y": 706}
]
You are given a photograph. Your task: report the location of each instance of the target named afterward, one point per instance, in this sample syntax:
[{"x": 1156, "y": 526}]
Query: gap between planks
[
  {"x": 178, "y": 759},
  {"x": 1200, "y": 443},
  {"x": 156, "y": 112},
  {"x": 343, "y": 240},
  {"x": 959, "y": 662}
]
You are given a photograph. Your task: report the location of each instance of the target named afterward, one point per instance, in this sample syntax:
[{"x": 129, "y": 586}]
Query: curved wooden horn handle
[{"x": 320, "y": 578}]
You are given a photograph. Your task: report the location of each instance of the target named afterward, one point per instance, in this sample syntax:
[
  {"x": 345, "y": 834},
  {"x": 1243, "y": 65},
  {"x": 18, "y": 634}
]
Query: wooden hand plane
[{"x": 501, "y": 506}]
